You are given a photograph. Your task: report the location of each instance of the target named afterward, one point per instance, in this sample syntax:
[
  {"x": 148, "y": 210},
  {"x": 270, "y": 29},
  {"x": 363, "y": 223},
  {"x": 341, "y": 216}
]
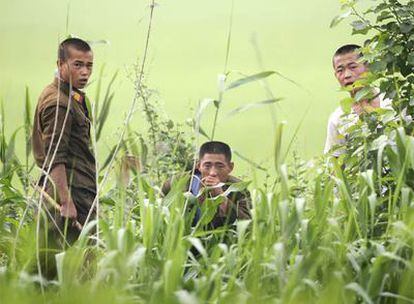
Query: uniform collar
[{"x": 76, "y": 94}]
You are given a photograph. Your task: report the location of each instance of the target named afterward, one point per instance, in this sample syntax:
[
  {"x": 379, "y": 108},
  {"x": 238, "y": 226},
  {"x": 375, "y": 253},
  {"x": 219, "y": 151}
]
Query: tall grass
[
  {"x": 294, "y": 250},
  {"x": 317, "y": 245}
]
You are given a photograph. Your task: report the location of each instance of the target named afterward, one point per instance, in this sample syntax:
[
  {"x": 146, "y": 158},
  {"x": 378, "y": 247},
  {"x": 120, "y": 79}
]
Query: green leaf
[
  {"x": 191, "y": 122},
  {"x": 294, "y": 136},
  {"x": 103, "y": 115},
  {"x": 364, "y": 93},
  {"x": 249, "y": 79},
  {"x": 236, "y": 187},
  {"x": 209, "y": 209},
  {"x": 380, "y": 7},
  {"x": 410, "y": 59},
  {"x": 360, "y": 27},
  {"x": 378, "y": 66},
  {"x": 144, "y": 152},
  {"x": 397, "y": 296},
  {"x": 204, "y": 133},
  {"x": 104, "y": 111},
  {"x": 202, "y": 106},
  {"x": 109, "y": 157},
  {"x": 10, "y": 159},
  {"x": 346, "y": 104},
  {"x": 384, "y": 16},
  {"x": 198, "y": 245},
  {"x": 89, "y": 107},
  {"x": 98, "y": 92},
  {"x": 28, "y": 123},
  {"x": 255, "y": 165},
  {"x": 3, "y": 144},
  {"x": 339, "y": 18},
  {"x": 379, "y": 143},
  {"x": 253, "y": 105},
  {"x": 10, "y": 151},
  {"x": 133, "y": 139},
  {"x": 360, "y": 291},
  {"x": 406, "y": 27},
  {"x": 200, "y": 233},
  {"x": 397, "y": 49},
  {"x": 278, "y": 145}
]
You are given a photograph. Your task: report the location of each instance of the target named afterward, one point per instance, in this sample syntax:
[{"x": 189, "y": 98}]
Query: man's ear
[
  {"x": 60, "y": 64},
  {"x": 198, "y": 165},
  {"x": 231, "y": 165}
]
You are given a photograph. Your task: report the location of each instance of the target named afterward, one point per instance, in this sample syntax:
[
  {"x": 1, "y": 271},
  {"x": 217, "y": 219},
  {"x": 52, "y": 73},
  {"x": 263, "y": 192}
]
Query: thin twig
[
  {"x": 50, "y": 168},
  {"x": 220, "y": 97},
  {"x": 130, "y": 112}
]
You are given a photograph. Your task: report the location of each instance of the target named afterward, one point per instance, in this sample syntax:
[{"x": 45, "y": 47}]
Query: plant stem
[
  {"x": 220, "y": 98},
  {"x": 138, "y": 83}
]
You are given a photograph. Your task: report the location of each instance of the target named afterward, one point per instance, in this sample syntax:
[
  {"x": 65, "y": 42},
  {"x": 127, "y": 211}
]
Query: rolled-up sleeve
[{"x": 51, "y": 132}]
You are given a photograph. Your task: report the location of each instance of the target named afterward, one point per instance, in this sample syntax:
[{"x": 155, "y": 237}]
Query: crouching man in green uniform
[
  {"x": 62, "y": 144},
  {"x": 212, "y": 177}
]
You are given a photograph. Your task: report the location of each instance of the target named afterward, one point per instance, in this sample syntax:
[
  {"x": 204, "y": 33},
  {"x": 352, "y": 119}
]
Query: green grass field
[{"x": 187, "y": 52}]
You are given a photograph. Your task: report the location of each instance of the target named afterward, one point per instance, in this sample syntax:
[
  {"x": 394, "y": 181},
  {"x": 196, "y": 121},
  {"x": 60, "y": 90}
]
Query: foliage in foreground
[
  {"x": 320, "y": 247},
  {"x": 322, "y": 232}
]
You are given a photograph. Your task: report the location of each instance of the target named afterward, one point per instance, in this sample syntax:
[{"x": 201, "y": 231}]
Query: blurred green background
[{"x": 187, "y": 52}]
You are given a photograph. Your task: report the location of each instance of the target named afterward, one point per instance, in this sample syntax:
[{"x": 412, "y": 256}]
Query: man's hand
[
  {"x": 67, "y": 207},
  {"x": 68, "y": 210},
  {"x": 366, "y": 106},
  {"x": 216, "y": 190},
  {"x": 213, "y": 183}
]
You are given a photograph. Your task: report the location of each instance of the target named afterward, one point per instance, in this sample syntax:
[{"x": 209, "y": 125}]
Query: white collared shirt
[{"x": 339, "y": 122}]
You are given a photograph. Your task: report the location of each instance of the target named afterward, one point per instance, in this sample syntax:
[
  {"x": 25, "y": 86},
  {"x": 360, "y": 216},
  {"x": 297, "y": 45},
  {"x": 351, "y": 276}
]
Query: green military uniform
[
  {"x": 61, "y": 135},
  {"x": 74, "y": 151}
]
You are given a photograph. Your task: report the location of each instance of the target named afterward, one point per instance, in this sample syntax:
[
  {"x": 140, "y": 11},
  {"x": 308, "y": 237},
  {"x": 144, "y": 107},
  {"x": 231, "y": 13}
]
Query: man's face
[
  {"x": 348, "y": 68},
  {"x": 77, "y": 68},
  {"x": 215, "y": 166}
]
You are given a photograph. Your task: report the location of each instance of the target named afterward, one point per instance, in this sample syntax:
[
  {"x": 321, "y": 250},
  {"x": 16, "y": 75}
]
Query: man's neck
[
  {"x": 67, "y": 83},
  {"x": 76, "y": 94}
]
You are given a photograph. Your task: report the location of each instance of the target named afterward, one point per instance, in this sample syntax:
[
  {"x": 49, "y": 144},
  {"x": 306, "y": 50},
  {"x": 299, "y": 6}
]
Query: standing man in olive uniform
[{"x": 61, "y": 138}]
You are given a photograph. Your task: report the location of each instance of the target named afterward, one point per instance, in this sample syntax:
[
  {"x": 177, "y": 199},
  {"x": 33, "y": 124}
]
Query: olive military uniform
[{"x": 61, "y": 135}]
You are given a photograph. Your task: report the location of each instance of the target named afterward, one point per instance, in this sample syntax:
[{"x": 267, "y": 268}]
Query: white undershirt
[{"x": 339, "y": 122}]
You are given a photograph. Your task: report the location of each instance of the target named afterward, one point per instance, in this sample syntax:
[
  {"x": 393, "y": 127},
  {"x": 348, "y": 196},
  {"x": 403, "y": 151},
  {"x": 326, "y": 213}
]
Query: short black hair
[
  {"x": 215, "y": 147},
  {"x": 348, "y": 48},
  {"x": 76, "y": 43}
]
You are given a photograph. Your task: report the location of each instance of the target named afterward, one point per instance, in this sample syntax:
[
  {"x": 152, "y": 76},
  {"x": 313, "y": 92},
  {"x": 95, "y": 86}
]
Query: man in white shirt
[{"x": 348, "y": 68}]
